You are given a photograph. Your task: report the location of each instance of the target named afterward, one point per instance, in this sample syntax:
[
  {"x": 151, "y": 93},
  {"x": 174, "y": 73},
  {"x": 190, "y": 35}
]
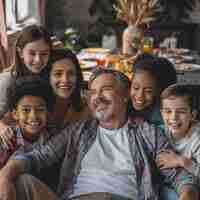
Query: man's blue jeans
[{"x": 168, "y": 194}]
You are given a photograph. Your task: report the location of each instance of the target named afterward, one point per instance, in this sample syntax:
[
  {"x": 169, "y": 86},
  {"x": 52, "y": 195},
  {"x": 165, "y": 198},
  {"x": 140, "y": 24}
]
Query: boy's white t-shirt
[{"x": 108, "y": 166}]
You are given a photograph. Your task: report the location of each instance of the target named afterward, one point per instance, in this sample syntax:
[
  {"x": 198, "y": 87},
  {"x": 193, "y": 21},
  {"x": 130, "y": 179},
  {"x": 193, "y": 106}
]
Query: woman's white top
[{"x": 6, "y": 79}]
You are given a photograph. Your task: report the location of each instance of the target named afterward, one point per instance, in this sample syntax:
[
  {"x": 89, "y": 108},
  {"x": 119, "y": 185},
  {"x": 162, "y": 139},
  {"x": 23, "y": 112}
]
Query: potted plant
[{"x": 137, "y": 14}]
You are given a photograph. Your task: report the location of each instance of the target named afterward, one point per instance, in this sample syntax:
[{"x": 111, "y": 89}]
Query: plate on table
[
  {"x": 187, "y": 58},
  {"x": 86, "y": 75},
  {"x": 181, "y": 50},
  {"x": 187, "y": 67},
  {"x": 96, "y": 50},
  {"x": 88, "y": 64},
  {"x": 181, "y": 59},
  {"x": 93, "y": 53}
]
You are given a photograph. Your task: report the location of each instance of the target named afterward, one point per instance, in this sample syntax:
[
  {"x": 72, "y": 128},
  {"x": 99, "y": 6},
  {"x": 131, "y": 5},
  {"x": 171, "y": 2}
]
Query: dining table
[{"x": 186, "y": 62}]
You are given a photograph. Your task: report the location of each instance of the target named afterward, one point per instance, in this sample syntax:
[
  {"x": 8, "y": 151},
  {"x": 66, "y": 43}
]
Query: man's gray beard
[{"x": 102, "y": 115}]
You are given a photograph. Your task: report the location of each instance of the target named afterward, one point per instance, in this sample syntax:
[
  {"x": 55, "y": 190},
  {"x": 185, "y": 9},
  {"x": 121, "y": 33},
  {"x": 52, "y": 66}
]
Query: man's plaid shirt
[
  {"x": 74, "y": 141},
  {"x": 21, "y": 144}
]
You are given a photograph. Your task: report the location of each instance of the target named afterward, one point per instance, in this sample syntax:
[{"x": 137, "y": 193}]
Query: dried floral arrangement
[{"x": 137, "y": 12}]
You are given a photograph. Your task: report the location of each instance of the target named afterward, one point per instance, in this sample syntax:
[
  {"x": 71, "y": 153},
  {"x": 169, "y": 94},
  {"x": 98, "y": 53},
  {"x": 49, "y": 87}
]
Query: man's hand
[
  {"x": 188, "y": 192},
  {"x": 7, "y": 191},
  {"x": 169, "y": 159}
]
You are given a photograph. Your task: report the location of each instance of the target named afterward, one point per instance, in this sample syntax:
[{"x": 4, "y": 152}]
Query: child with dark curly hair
[{"x": 30, "y": 99}]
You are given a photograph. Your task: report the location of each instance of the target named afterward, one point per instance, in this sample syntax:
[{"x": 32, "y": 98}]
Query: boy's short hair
[
  {"x": 181, "y": 90},
  {"x": 30, "y": 86}
]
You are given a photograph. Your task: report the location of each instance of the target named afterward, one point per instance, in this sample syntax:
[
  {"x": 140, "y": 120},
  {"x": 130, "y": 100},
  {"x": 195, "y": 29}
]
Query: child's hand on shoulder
[
  {"x": 169, "y": 159},
  {"x": 7, "y": 137}
]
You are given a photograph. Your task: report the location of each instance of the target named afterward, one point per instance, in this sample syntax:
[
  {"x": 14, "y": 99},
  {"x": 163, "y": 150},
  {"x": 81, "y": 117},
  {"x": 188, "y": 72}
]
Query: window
[{"x": 21, "y": 12}]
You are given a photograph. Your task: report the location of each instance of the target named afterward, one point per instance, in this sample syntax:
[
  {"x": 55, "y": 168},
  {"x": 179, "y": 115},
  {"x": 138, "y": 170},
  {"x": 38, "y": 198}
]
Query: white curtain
[{"x": 23, "y": 11}]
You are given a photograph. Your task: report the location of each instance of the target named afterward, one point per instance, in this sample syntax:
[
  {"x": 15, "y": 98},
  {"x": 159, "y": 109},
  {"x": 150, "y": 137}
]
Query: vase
[{"x": 131, "y": 40}]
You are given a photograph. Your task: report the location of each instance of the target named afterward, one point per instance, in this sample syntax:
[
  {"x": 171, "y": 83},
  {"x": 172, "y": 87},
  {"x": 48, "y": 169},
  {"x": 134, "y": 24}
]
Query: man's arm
[
  {"x": 44, "y": 156},
  {"x": 188, "y": 192}
]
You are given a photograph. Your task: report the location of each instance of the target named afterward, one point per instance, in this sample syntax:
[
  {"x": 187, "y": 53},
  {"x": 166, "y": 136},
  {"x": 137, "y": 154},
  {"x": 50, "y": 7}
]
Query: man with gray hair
[{"x": 107, "y": 158}]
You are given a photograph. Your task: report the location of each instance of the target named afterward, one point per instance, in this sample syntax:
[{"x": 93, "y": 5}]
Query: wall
[{"x": 69, "y": 13}]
